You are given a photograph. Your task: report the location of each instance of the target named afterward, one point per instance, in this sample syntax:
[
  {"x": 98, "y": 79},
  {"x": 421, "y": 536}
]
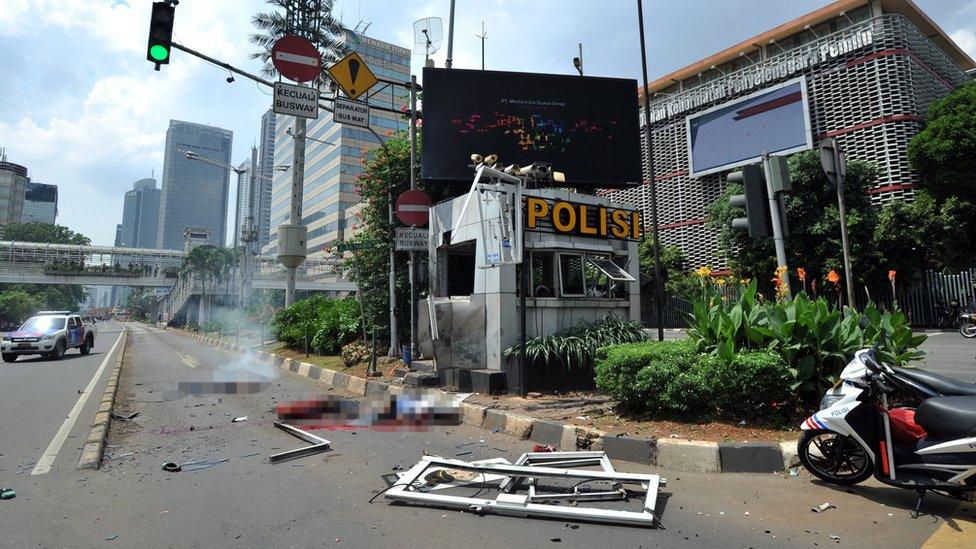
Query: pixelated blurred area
[
  {"x": 416, "y": 411},
  {"x": 223, "y": 382}
]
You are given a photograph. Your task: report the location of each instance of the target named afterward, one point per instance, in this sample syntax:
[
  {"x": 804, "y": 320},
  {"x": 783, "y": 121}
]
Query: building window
[
  {"x": 571, "y": 275},
  {"x": 593, "y": 276},
  {"x": 543, "y": 275}
]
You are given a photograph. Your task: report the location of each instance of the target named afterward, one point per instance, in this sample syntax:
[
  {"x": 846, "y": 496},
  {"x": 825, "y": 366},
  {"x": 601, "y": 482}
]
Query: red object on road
[
  {"x": 413, "y": 208},
  {"x": 296, "y": 58}
]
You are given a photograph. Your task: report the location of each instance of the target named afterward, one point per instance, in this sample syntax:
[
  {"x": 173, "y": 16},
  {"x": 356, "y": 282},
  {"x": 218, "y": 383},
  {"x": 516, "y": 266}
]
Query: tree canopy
[
  {"x": 944, "y": 152},
  {"x": 45, "y": 296},
  {"x": 36, "y": 231}
]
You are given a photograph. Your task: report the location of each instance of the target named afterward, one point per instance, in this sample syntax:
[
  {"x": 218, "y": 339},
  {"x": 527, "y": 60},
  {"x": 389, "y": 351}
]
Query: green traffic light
[{"x": 158, "y": 52}]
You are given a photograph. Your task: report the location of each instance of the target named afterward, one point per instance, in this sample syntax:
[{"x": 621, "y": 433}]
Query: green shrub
[
  {"x": 672, "y": 377},
  {"x": 328, "y": 323},
  {"x": 576, "y": 347},
  {"x": 813, "y": 337}
]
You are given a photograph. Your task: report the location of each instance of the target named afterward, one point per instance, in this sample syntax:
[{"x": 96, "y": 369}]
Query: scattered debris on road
[
  {"x": 121, "y": 417},
  {"x": 171, "y": 467},
  {"x": 318, "y": 444},
  {"x": 191, "y": 466},
  {"x": 823, "y": 507},
  {"x": 239, "y": 419},
  {"x": 111, "y": 537},
  {"x": 421, "y": 483},
  {"x": 7, "y": 493}
]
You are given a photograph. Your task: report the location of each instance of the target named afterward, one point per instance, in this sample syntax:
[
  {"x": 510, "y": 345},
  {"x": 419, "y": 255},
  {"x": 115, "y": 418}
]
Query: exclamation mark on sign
[{"x": 353, "y": 72}]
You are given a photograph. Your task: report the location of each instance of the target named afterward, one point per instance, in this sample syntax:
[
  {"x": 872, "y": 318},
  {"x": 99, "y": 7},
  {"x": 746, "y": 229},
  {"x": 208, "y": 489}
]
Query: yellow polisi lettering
[
  {"x": 635, "y": 225},
  {"x": 620, "y": 228},
  {"x": 557, "y": 217},
  {"x": 583, "y": 227},
  {"x": 537, "y": 208}
]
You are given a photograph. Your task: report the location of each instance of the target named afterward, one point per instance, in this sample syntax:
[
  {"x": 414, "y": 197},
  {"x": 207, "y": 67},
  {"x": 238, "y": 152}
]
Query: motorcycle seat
[
  {"x": 938, "y": 383},
  {"x": 947, "y": 417}
]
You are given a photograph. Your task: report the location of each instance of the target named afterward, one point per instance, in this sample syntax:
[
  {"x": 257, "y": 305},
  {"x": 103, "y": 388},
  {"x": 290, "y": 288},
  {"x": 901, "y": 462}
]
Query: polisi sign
[{"x": 581, "y": 219}]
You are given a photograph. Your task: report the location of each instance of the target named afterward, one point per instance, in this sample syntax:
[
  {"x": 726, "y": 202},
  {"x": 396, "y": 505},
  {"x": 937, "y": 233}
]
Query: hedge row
[{"x": 672, "y": 377}]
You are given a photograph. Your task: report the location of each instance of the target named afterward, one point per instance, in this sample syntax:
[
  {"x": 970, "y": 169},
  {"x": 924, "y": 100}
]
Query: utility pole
[
  {"x": 659, "y": 286},
  {"x": 450, "y": 38},
  {"x": 250, "y": 233},
  {"x": 482, "y": 36},
  {"x": 776, "y": 221},
  {"x": 835, "y": 167},
  {"x": 413, "y": 185},
  {"x": 578, "y": 61},
  {"x": 302, "y": 19}
]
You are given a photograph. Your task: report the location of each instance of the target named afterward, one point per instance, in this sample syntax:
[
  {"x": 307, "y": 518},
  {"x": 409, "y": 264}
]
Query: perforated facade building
[{"x": 871, "y": 69}]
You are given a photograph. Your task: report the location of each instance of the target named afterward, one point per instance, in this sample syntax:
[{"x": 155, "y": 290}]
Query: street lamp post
[{"x": 249, "y": 234}]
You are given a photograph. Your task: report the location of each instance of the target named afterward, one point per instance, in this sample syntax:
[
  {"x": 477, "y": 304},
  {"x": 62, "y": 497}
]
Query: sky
[{"x": 82, "y": 108}]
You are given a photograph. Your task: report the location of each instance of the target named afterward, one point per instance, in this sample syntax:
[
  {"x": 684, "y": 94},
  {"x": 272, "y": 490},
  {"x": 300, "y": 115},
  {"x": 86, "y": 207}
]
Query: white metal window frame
[
  {"x": 520, "y": 505},
  {"x": 584, "y": 260}
]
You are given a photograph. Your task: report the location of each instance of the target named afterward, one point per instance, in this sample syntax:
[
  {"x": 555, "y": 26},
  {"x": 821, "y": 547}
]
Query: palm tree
[{"x": 272, "y": 26}]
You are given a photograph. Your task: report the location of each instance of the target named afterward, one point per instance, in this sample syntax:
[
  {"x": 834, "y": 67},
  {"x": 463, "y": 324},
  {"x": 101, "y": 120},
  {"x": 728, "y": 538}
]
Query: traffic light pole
[
  {"x": 775, "y": 220},
  {"x": 413, "y": 185},
  {"x": 658, "y": 277}
]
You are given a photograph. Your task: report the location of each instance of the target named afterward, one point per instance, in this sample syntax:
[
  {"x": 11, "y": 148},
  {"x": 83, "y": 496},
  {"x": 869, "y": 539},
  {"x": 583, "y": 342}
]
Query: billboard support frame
[{"x": 758, "y": 158}]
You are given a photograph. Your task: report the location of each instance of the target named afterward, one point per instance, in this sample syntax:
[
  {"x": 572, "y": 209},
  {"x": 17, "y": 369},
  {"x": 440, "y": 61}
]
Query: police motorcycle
[{"x": 859, "y": 430}]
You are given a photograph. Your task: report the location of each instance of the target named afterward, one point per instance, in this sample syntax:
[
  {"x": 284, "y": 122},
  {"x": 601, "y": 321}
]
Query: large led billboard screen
[
  {"x": 774, "y": 121},
  {"x": 585, "y": 127}
]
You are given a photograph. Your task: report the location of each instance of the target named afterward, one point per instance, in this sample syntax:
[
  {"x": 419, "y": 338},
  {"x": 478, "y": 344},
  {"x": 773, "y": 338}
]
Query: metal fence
[{"x": 921, "y": 302}]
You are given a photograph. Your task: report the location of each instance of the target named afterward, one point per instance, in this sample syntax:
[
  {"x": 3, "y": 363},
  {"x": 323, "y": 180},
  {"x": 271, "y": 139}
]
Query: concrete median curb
[
  {"x": 676, "y": 454},
  {"x": 91, "y": 453}
]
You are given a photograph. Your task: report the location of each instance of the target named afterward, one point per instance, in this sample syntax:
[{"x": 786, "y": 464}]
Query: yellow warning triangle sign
[{"x": 353, "y": 76}]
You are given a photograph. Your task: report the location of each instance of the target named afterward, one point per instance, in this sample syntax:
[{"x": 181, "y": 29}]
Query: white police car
[{"x": 48, "y": 334}]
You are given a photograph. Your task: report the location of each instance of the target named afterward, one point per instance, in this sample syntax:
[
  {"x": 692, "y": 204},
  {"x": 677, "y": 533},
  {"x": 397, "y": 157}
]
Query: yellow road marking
[{"x": 958, "y": 531}]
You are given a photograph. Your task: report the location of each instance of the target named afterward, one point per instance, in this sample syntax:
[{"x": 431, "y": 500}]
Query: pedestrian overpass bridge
[{"x": 41, "y": 263}]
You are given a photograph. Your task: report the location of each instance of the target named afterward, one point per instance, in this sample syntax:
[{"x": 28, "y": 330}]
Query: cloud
[
  {"x": 95, "y": 122},
  {"x": 966, "y": 39}
]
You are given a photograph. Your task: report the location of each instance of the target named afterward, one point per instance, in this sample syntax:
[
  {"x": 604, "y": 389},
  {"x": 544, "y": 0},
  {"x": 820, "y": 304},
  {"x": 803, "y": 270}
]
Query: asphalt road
[
  {"x": 322, "y": 499},
  {"x": 950, "y": 354},
  {"x": 37, "y": 397}
]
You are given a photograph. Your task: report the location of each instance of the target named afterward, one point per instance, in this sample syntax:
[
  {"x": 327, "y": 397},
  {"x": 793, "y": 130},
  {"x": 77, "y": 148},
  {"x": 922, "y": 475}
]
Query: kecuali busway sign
[{"x": 773, "y": 121}]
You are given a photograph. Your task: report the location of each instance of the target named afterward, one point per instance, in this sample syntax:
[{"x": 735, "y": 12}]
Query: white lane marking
[
  {"x": 47, "y": 459},
  {"x": 188, "y": 360}
]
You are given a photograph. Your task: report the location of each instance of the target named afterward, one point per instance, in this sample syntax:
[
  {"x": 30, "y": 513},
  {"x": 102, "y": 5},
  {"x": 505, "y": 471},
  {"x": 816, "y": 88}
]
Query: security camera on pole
[{"x": 297, "y": 59}]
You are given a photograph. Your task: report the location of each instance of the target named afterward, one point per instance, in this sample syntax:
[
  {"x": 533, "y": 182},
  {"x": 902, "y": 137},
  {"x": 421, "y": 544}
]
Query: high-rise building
[
  {"x": 13, "y": 187},
  {"x": 871, "y": 69},
  {"x": 331, "y": 168},
  {"x": 243, "y": 201},
  {"x": 40, "y": 203},
  {"x": 194, "y": 193},
  {"x": 266, "y": 163},
  {"x": 140, "y": 215}
]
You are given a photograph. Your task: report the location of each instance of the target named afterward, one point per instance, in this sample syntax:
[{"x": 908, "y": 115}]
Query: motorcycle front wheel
[
  {"x": 833, "y": 457},
  {"x": 968, "y": 330}
]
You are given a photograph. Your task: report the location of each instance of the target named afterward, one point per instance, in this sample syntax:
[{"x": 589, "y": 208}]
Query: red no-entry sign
[
  {"x": 413, "y": 208},
  {"x": 296, "y": 58}
]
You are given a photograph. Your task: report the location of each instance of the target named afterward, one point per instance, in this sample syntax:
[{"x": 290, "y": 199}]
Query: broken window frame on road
[
  {"x": 318, "y": 444},
  {"x": 407, "y": 489}
]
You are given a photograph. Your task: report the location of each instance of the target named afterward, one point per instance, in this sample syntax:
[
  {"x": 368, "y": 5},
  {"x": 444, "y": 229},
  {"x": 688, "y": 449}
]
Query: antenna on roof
[
  {"x": 428, "y": 33},
  {"x": 362, "y": 26}
]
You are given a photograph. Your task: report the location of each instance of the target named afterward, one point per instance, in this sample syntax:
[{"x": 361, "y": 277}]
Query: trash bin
[{"x": 405, "y": 351}]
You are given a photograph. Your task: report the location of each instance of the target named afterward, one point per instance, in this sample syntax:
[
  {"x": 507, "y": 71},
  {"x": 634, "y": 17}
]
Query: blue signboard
[{"x": 774, "y": 121}]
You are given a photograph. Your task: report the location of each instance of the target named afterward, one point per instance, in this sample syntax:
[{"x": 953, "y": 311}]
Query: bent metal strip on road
[{"x": 47, "y": 459}]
